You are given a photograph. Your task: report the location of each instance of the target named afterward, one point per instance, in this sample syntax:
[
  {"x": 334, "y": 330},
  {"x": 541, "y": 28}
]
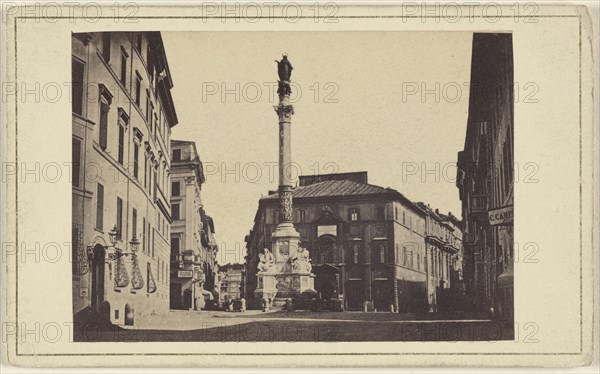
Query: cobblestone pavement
[{"x": 252, "y": 326}]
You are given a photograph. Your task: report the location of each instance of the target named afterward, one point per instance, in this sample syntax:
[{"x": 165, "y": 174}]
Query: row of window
[
  {"x": 354, "y": 215},
  {"x": 147, "y": 238},
  {"x": 163, "y": 272},
  {"x": 327, "y": 254},
  {"x": 176, "y": 206},
  {"x": 153, "y": 121},
  {"x": 176, "y": 248},
  {"x": 152, "y": 178},
  {"x": 405, "y": 257}
]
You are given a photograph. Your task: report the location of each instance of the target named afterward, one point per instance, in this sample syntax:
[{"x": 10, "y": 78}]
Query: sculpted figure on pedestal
[
  {"x": 301, "y": 263},
  {"x": 267, "y": 260}
]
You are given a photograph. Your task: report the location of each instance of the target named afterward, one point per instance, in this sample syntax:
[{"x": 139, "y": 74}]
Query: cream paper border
[{"x": 557, "y": 213}]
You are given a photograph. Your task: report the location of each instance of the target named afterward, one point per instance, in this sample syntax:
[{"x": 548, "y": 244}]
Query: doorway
[
  {"x": 175, "y": 296},
  {"x": 354, "y": 292},
  {"x": 98, "y": 276},
  {"x": 382, "y": 295}
]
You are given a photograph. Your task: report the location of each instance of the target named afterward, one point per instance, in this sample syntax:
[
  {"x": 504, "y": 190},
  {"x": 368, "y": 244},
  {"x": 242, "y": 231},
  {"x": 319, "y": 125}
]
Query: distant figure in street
[
  {"x": 242, "y": 305},
  {"x": 265, "y": 304}
]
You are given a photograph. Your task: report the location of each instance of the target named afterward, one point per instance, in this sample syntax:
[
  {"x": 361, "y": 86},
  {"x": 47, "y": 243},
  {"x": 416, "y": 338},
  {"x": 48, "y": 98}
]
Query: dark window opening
[
  {"x": 77, "y": 74},
  {"x": 353, "y": 214},
  {"x": 123, "y": 69},
  {"x": 100, "y": 207},
  {"x": 76, "y": 167},
  {"x": 175, "y": 212},
  {"x": 106, "y": 46},
  {"x": 175, "y": 245},
  {"x": 119, "y": 217},
  {"x": 379, "y": 213},
  {"x": 103, "y": 131},
  {"x": 301, "y": 215},
  {"x": 175, "y": 188},
  {"x": 136, "y": 159},
  {"x": 177, "y": 155},
  {"x": 134, "y": 223},
  {"x": 121, "y": 145},
  {"x": 138, "y": 89}
]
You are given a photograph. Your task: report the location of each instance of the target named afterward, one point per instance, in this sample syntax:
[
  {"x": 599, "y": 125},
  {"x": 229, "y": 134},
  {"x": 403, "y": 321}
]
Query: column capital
[{"x": 285, "y": 112}]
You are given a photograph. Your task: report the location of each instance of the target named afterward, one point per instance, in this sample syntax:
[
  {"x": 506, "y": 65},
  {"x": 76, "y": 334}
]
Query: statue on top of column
[{"x": 284, "y": 69}]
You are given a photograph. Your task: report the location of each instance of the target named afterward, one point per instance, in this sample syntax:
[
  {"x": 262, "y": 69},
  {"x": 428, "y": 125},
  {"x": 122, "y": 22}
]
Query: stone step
[{"x": 279, "y": 302}]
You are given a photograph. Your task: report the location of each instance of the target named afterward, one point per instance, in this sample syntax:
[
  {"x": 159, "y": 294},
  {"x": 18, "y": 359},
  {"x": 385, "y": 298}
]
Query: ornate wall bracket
[
  {"x": 151, "y": 282},
  {"x": 121, "y": 276},
  {"x": 137, "y": 280}
]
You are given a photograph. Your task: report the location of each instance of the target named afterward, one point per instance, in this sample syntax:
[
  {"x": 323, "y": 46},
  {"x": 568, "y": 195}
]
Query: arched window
[{"x": 327, "y": 250}]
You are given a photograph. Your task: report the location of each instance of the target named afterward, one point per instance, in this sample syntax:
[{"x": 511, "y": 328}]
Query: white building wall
[{"x": 102, "y": 166}]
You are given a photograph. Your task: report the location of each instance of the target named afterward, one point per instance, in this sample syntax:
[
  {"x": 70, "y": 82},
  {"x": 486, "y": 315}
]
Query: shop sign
[
  {"x": 185, "y": 274},
  {"x": 501, "y": 216}
]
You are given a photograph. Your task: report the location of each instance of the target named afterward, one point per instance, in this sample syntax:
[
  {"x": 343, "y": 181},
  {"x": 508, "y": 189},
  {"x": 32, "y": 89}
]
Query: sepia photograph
[
  {"x": 393, "y": 223},
  {"x": 324, "y": 185}
]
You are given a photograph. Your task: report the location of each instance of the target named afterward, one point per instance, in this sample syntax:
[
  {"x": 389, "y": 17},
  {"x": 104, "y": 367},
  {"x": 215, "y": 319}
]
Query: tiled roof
[{"x": 335, "y": 188}]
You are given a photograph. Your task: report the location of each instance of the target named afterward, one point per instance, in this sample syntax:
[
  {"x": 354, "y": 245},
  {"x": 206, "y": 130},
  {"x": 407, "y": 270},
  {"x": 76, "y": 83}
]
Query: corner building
[
  {"x": 122, "y": 117},
  {"x": 366, "y": 243},
  {"x": 193, "y": 246},
  {"x": 486, "y": 177}
]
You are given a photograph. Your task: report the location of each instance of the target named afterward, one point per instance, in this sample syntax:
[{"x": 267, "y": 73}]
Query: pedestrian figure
[{"x": 242, "y": 305}]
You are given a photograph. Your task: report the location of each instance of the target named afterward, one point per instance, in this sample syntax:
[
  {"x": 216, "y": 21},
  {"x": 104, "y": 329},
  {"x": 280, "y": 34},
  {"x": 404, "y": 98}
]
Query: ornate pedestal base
[
  {"x": 289, "y": 276},
  {"x": 266, "y": 288},
  {"x": 278, "y": 288}
]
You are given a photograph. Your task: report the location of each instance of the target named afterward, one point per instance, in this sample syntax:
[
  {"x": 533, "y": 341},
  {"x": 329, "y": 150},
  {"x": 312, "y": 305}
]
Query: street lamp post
[{"x": 113, "y": 252}]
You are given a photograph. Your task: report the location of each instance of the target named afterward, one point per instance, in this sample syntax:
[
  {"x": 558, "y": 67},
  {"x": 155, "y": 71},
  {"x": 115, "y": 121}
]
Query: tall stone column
[
  {"x": 288, "y": 274},
  {"x": 285, "y": 228}
]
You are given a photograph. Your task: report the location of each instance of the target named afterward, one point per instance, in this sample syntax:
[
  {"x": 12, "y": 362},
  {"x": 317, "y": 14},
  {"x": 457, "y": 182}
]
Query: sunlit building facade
[{"x": 122, "y": 117}]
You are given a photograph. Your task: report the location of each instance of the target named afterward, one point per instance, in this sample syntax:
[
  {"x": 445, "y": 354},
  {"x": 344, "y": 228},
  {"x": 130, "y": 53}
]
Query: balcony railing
[{"x": 479, "y": 203}]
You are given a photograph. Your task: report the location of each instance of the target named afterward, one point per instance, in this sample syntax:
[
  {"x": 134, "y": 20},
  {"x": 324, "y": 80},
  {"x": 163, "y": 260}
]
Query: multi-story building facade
[
  {"x": 188, "y": 255},
  {"x": 123, "y": 113},
  {"x": 366, "y": 243},
  {"x": 485, "y": 176},
  {"x": 454, "y": 242},
  {"x": 443, "y": 251},
  {"x": 230, "y": 282},
  {"x": 209, "y": 259}
]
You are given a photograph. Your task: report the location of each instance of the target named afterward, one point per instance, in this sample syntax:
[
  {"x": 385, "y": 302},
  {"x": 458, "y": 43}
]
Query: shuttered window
[
  {"x": 103, "y": 131},
  {"x": 119, "y": 217},
  {"x": 100, "y": 207}
]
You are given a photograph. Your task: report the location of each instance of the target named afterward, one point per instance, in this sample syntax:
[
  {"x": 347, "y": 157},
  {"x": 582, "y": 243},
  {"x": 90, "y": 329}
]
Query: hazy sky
[{"x": 350, "y": 116}]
